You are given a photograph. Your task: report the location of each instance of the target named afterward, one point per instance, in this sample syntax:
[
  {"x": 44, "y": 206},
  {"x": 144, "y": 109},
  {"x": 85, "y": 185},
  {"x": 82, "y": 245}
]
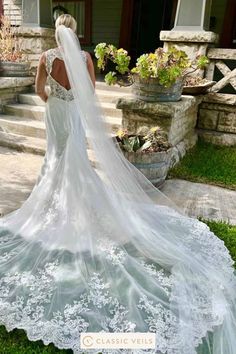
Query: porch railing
[{"x": 219, "y": 57}]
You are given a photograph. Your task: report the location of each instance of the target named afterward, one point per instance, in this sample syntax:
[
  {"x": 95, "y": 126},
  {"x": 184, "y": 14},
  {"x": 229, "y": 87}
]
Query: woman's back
[
  {"x": 57, "y": 75},
  {"x": 51, "y": 69}
]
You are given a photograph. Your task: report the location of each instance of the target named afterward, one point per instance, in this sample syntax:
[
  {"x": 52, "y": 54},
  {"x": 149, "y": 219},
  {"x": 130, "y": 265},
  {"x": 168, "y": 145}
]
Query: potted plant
[
  {"x": 150, "y": 153},
  {"x": 157, "y": 76},
  {"x": 12, "y": 62}
]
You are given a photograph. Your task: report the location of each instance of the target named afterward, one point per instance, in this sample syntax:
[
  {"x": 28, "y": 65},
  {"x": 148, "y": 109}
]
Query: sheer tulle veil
[
  {"x": 121, "y": 176},
  {"x": 99, "y": 248},
  {"x": 127, "y": 189}
]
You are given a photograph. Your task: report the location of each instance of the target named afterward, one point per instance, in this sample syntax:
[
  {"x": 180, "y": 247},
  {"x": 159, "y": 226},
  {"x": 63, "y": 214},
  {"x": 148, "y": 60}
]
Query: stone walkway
[
  {"x": 18, "y": 173},
  {"x": 197, "y": 199}
]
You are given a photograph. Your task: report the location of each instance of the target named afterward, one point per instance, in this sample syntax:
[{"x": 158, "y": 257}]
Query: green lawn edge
[{"x": 208, "y": 163}]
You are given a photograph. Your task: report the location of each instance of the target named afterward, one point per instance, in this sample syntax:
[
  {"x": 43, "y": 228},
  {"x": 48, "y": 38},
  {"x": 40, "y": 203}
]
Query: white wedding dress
[{"x": 98, "y": 248}]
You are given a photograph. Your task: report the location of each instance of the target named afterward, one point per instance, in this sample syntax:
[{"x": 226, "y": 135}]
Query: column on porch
[
  {"x": 191, "y": 30},
  {"x": 36, "y": 33}
]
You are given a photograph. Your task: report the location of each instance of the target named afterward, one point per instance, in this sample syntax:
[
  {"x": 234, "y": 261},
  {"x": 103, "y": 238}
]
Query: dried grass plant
[{"x": 9, "y": 43}]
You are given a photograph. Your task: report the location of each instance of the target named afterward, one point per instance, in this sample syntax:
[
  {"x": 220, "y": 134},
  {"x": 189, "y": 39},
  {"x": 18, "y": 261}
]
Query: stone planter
[
  {"x": 12, "y": 69},
  {"x": 198, "y": 89},
  {"x": 150, "y": 90},
  {"x": 154, "y": 165}
]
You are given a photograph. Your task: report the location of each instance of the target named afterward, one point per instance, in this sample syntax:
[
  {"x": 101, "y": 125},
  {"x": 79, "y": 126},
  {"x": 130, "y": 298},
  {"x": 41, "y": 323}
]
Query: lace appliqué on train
[{"x": 63, "y": 328}]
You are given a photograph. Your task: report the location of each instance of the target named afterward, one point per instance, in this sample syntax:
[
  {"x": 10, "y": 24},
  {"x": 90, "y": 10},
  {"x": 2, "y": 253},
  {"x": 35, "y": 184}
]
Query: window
[
  {"x": 81, "y": 11},
  {"x": 1, "y": 7}
]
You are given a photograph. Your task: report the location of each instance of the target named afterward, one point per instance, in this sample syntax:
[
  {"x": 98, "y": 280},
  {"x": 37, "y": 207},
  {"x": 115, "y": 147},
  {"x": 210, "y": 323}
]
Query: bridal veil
[{"x": 99, "y": 248}]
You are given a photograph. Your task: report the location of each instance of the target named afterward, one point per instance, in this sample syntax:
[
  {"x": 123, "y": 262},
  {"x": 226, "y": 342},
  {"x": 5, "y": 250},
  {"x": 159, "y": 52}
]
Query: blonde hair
[{"x": 66, "y": 20}]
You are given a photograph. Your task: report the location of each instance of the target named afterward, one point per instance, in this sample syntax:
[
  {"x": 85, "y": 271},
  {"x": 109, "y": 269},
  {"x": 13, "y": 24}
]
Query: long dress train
[{"x": 83, "y": 256}]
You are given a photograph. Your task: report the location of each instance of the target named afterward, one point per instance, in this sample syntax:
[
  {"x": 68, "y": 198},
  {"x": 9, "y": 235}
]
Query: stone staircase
[{"x": 22, "y": 126}]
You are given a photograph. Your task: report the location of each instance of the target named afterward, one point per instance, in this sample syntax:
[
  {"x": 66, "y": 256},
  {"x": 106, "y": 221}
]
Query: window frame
[
  {"x": 229, "y": 26},
  {"x": 1, "y": 8},
  {"x": 87, "y": 39}
]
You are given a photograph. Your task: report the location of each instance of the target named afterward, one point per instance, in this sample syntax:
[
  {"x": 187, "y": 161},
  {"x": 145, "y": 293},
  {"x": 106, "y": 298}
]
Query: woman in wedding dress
[{"x": 96, "y": 247}]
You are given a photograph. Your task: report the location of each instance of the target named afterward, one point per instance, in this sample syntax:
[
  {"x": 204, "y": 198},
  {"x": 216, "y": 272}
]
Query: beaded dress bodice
[{"x": 57, "y": 90}]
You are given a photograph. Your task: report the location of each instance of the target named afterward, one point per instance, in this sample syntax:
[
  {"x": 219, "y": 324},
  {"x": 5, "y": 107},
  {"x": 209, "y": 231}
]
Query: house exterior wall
[
  {"x": 106, "y": 19},
  {"x": 13, "y": 9}
]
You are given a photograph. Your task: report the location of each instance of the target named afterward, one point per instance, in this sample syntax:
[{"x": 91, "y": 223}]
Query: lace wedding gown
[{"x": 83, "y": 256}]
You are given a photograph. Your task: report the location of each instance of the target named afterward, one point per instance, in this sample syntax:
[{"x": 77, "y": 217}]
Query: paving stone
[{"x": 198, "y": 199}]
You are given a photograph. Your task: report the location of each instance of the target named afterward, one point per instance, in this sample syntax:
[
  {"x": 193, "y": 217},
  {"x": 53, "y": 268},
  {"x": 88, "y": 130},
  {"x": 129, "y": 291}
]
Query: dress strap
[
  {"x": 84, "y": 56},
  {"x": 54, "y": 53},
  {"x": 50, "y": 56}
]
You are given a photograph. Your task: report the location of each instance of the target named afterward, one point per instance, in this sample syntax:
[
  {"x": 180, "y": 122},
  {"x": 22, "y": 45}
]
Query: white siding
[
  {"x": 13, "y": 9},
  {"x": 106, "y": 20}
]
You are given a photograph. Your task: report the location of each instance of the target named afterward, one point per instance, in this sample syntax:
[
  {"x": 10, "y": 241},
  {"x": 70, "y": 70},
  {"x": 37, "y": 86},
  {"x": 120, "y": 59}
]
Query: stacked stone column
[{"x": 34, "y": 41}]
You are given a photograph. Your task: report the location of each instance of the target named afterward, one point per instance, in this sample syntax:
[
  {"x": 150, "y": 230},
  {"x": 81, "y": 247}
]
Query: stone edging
[
  {"x": 161, "y": 108},
  {"x": 189, "y": 36}
]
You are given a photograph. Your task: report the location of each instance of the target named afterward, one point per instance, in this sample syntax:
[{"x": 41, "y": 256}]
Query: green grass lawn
[
  {"x": 16, "y": 342},
  {"x": 225, "y": 232},
  {"x": 207, "y": 163}
]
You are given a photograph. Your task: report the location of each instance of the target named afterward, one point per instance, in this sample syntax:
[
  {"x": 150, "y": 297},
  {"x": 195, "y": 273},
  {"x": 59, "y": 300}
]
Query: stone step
[
  {"x": 22, "y": 126},
  {"x": 25, "y": 111},
  {"x": 109, "y": 109},
  {"x": 101, "y": 85},
  {"x": 37, "y": 112},
  {"x": 23, "y": 143},
  {"x": 110, "y": 96},
  {"x": 36, "y": 129},
  {"x": 103, "y": 96},
  {"x": 30, "y": 99},
  {"x": 30, "y": 145}
]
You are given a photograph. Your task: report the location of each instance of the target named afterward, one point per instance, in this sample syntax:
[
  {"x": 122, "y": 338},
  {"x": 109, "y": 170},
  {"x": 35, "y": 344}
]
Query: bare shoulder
[
  {"x": 48, "y": 52},
  {"x": 88, "y": 56},
  {"x": 42, "y": 59},
  {"x": 42, "y": 64}
]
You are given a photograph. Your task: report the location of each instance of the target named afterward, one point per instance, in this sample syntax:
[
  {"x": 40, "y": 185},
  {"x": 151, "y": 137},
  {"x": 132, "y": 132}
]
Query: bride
[{"x": 96, "y": 247}]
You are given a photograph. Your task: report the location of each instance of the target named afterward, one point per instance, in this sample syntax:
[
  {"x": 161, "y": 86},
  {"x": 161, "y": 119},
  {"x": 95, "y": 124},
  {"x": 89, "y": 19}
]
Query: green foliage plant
[
  {"x": 154, "y": 141},
  {"x": 166, "y": 66}
]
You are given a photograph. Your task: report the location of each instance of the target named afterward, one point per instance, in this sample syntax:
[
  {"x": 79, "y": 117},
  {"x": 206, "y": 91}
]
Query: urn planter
[
  {"x": 14, "y": 69},
  {"x": 150, "y": 90},
  {"x": 154, "y": 165}
]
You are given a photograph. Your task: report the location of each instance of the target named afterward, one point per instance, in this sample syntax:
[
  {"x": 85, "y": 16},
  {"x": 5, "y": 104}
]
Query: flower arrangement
[
  {"x": 9, "y": 45},
  {"x": 154, "y": 141},
  {"x": 166, "y": 66}
]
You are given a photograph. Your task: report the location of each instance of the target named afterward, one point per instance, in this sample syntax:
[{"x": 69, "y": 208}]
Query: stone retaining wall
[
  {"x": 34, "y": 41},
  {"x": 217, "y": 119}
]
